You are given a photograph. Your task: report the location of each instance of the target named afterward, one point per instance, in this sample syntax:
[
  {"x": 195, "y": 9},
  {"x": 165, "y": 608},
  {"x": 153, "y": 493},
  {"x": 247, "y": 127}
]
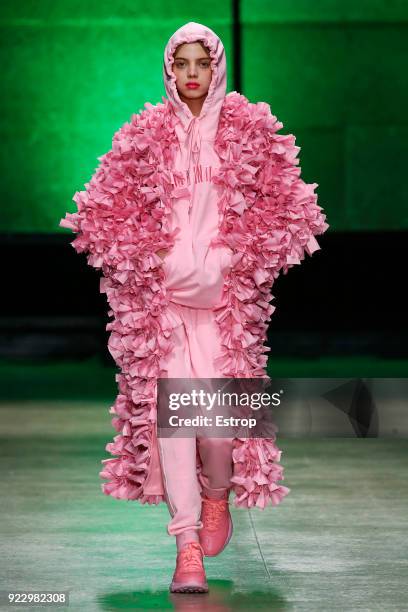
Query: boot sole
[{"x": 188, "y": 588}]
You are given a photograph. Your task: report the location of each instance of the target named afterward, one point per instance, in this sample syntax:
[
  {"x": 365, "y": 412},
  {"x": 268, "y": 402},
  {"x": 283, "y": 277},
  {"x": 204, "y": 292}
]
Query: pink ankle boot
[
  {"x": 217, "y": 526},
  {"x": 189, "y": 575}
]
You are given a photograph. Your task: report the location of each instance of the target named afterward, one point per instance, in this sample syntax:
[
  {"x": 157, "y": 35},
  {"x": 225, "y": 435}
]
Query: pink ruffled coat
[{"x": 268, "y": 218}]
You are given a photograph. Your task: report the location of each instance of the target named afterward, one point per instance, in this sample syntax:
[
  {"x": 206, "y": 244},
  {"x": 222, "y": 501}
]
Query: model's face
[{"x": 192, "y": 64}]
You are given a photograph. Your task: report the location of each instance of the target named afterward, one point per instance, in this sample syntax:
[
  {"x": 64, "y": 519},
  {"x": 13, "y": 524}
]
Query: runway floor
[{"x": 337, "y": 542}]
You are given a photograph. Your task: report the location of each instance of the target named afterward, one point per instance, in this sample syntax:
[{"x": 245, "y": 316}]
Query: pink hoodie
[{"x": 194, "y": 270}]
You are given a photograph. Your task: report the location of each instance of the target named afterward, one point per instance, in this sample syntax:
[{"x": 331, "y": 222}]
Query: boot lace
[
  {"x": 191, "y": 557},
  {"x": 213, "y": 509}
]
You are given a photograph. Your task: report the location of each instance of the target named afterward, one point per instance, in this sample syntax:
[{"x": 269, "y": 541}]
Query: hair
[{"x": 185, "y": 43}]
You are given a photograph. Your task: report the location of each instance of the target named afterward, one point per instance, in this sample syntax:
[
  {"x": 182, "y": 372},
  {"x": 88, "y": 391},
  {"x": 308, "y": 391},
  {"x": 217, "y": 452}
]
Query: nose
[{"x": 192, "y": 71}]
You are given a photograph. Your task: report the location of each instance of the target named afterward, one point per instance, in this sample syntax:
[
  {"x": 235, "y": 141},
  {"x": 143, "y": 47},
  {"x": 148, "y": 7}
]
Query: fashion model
[{"x": 191, "y": 216}]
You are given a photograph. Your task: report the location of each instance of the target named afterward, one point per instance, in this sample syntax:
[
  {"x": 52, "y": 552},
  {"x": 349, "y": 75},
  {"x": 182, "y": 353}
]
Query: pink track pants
[{"x": 196, "y": 345}]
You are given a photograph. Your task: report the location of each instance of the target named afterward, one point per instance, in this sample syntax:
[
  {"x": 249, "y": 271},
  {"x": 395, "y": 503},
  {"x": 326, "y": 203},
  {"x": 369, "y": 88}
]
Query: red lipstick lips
[{"x": 192, "y": 85}]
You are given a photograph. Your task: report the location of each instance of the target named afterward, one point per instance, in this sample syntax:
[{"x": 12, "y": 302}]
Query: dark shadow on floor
[{"x": 220, "y": 598}]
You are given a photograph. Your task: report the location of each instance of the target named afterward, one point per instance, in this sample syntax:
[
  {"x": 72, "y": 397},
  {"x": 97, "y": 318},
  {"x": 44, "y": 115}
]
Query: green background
[{"x": 334, "y": 73}]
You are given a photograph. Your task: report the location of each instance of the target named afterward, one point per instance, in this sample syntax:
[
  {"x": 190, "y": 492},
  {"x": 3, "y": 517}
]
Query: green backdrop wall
[{"x": 334, "y": 74}]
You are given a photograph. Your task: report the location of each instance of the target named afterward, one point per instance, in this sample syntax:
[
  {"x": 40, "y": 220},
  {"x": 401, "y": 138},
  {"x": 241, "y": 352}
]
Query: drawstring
[
  {"x": 195, "y": 139},
  {"x": 194, "y": 149}
]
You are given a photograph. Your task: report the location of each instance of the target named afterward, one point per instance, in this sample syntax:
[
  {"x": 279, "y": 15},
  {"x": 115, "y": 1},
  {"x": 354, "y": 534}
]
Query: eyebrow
[{"x": 185, "y": 58}]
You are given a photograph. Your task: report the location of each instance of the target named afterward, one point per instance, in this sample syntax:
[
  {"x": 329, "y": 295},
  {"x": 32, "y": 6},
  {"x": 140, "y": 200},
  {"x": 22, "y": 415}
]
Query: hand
[{"x": 162, "y": 253}]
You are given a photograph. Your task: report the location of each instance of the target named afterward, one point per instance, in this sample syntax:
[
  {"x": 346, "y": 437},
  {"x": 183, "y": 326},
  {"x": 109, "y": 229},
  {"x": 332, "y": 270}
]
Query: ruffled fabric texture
[
  {"x": 120, "y": 223},
  {"x": 269, "y": 219}
]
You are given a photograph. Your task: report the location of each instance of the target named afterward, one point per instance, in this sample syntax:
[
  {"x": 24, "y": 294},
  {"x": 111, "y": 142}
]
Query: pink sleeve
[
  {"x": 113, "y": 219},
  {"x": 290, "y": 208}
]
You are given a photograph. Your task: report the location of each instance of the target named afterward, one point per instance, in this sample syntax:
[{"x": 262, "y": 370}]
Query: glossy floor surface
[{"x": 337, "y": 542}]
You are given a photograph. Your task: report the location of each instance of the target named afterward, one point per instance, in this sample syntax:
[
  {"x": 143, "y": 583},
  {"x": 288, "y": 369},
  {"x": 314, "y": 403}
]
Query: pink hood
[{"x": 203, "y": 127}]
